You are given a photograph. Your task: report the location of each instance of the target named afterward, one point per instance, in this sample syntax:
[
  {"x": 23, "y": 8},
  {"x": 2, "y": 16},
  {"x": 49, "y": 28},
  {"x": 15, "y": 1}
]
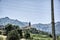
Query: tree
[
  {"x": 27, "y": 35},
  {"x": 53, "y": 24},
  {"x": 16, "y": 26},
  {"x": 13, "y": 35},
  {"x": 20, "y": 32},
  {"x": 8, "y": 28}
]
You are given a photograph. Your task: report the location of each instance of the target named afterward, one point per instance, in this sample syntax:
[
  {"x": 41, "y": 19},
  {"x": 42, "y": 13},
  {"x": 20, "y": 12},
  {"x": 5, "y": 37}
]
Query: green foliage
[
  {"x": 13, "y": 35},
  {"x": 33, "y": 30},
  {"x": 40, "y": 37},
  {"x": 43, "y": 33},
  {"x": 10, "y": 27},
  {"x": 20, "y": 32},
  {"x": 27, "y": 35},
  {"x": 16, "y": 26},
  {"x": 50, "y": 35},
  {"x": 0, "y": 32}
]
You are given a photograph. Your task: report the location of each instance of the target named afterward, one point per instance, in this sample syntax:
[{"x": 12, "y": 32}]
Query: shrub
[
  {"x": 27, "y": 35},
  {"x": 0, "y": 32},
  {"x": 13, "y": 35},
  {"x": 20, "y": 32},
  {"x": 10, "y": 27},
  {"x": 50, "y": 36}
]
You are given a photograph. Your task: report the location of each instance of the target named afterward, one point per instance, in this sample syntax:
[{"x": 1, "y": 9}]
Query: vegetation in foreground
[{"x": 13, "y": 32}]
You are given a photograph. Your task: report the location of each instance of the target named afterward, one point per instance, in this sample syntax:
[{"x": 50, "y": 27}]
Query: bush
[
  {"x": 0, "y": 32},
  {"x": 27, "y": 35},
  {"x": 20, "y": 32},
  {"x": 10, "y": 27},
  {"x": 50, "y": 36},
  {"x": 13, "y": 35}
]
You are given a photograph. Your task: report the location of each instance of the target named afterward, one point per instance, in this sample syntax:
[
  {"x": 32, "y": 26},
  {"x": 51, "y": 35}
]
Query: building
[{"x": 28, "y": 26}]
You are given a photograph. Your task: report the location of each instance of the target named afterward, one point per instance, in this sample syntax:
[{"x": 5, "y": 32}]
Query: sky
[{"x": 34, "y": 11}]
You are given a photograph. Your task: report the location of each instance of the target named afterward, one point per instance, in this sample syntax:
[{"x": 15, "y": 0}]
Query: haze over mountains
[
  {"x": 47, "y": 27},
  {"x": 7, "y": 20},
  {"x": 39, "y": 26}
]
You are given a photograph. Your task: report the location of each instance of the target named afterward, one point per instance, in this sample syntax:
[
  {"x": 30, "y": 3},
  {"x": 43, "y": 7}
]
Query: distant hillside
[
  {"x": 42, "y": 27},
  {"x": 47, "y": 27},
  {"x": 6, "y": 20}
]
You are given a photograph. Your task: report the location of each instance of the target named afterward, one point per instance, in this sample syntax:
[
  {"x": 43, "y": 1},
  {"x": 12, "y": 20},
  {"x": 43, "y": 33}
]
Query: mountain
[
  {"x": 6, "y": 20},
  {"x": 47, "y": 27},
  {"x": 39, "y": 26}
]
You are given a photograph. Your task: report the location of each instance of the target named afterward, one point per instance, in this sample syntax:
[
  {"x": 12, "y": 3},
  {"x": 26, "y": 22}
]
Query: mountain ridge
[
  {"x": 47, "y": 27},
  {"x": 7, "y": 20},
  {"x": 39, "y": 26}
]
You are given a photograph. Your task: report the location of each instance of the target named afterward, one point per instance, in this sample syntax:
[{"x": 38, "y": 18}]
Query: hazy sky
[{"x": 35, "y": 11}]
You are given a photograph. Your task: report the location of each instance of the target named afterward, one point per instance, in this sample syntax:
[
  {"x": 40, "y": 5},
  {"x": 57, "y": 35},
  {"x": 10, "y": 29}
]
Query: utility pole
[{"x": 52, "y": 18}]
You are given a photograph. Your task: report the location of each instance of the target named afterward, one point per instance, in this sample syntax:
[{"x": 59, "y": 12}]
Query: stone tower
[{"x": 29, "y": 24}]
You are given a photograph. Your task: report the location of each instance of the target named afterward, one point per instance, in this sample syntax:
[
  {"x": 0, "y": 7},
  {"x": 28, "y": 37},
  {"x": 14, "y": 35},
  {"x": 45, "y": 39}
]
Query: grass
[
  {"x": 33, "y": 37},
  {"x": 40, "y": 37},
  {"x": 58, "y": 38}
]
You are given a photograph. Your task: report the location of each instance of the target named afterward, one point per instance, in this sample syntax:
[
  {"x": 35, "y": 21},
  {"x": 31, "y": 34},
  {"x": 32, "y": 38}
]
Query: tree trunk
[{"x": 52, "y": 18}]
